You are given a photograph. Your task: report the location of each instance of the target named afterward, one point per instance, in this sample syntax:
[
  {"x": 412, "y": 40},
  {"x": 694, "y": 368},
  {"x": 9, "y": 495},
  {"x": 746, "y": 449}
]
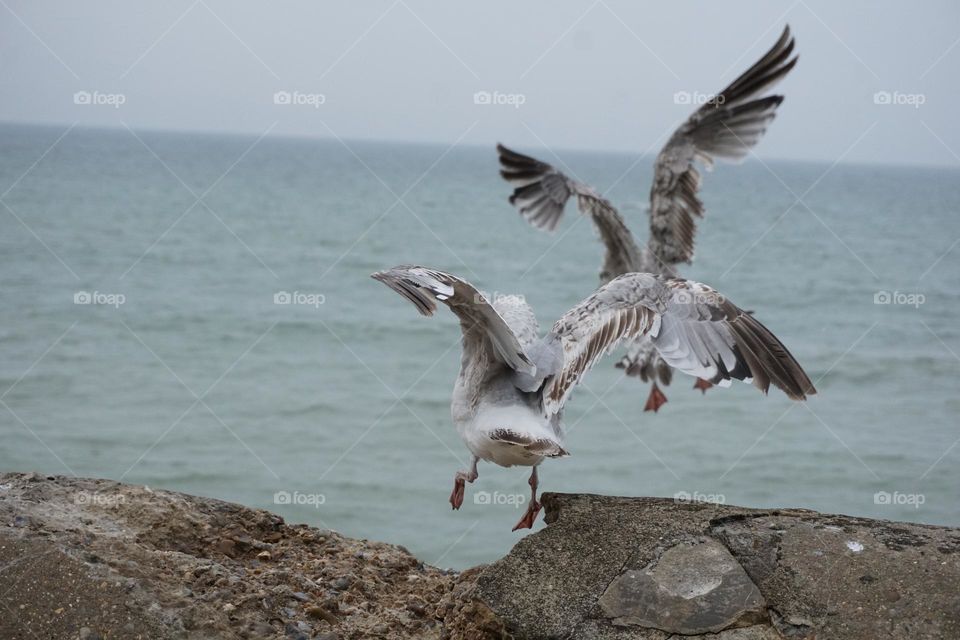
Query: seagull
[
  {"x": 727, "y": 126},
  {"x": 509, "y": 397}
]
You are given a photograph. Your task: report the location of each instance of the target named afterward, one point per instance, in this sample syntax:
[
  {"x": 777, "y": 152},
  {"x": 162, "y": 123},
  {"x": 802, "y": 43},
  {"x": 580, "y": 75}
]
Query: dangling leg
[
  {"x": 655, "y": 400},
  {"x": 702, "y": 384},
  {"x": 526, "y": 522},
  {"x": 456, "y": 497}
]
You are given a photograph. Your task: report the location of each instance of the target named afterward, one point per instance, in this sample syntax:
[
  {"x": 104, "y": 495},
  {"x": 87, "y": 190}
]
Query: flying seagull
[
  {"x": 509, "y": 396},
  {"x": 726, "y": 127}
]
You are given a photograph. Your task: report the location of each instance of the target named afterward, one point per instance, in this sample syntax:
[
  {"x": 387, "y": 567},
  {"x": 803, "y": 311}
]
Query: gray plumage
[
  {"x": 726, "y": 127},
  {"x": 509, "y": 397}
]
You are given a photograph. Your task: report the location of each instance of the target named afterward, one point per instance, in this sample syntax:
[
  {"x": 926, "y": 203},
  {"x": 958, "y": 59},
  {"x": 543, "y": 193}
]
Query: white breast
[{"x": 479, "y": 434}]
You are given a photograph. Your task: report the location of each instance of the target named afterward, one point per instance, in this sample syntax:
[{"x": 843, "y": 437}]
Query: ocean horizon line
[{"x": 443, "y": 144}]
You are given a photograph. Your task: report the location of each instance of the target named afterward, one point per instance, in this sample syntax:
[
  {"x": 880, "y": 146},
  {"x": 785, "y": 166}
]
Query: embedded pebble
[{"x": 342, "y": 583}]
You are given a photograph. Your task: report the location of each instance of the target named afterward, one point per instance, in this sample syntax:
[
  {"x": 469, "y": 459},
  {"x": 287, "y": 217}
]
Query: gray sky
[{"x": 592, "y": 75}]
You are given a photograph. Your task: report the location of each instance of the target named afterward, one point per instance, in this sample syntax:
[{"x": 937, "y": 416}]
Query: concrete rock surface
[
  {"x": 96, "y": 559},
  {"x": 92, "y": 559},
  {"x": 649, "y": 568}
]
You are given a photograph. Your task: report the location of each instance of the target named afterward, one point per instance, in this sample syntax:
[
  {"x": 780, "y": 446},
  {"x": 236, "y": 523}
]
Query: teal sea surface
[{"x": 194, "y": 312}]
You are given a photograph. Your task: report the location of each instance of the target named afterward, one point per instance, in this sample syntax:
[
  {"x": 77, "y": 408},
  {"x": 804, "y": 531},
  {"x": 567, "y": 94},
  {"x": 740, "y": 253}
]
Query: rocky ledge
[{"x": 93, "y": 559}]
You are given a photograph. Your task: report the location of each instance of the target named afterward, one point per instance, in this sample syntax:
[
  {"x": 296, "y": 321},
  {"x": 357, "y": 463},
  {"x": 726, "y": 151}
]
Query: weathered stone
[
  {"x": 692, "y": 588},
  {"x": 609, "y": 568},
  {"x": 852, "y": 577},
  {"x": 597, "y": 630},
  {"x": 153, "y": 564},
  {"x": 142, "y": 563}
]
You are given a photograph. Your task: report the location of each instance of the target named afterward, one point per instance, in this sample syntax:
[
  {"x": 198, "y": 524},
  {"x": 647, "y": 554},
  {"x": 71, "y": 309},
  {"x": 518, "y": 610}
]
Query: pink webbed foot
[
  {"x": 526, "y": 522},
  {"x": 702, "y": 385},
  {"x": 459, "y": 484},
  {"x": 655, "y": 400},
  {"x": 456, "y": 496}
]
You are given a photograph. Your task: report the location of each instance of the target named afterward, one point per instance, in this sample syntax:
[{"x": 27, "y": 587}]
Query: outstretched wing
[
  {"x": 694, "y": 329},
  {"x": 726, "y": 127},
  {"x": 705, "y": 335},
  {"x": 540, "y": 194},
  {"x": 625, "y": 308},
  {"x": 478, "y": 319}
]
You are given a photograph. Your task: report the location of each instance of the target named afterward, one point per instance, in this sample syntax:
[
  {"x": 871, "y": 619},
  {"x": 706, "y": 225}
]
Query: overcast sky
[{"x": 591, "y": 75}]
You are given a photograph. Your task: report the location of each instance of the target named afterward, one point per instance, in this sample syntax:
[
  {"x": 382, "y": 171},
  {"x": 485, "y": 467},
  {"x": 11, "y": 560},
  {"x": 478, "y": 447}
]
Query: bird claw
[
  {"x": 702, "y": 385},
  {"x": 526, "y": 522}
]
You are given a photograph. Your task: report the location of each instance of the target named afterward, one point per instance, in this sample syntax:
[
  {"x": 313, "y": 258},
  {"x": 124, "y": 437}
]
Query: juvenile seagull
[
  {"x": 726, "y": 127},
  {"x": 508, "y": 399}
]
